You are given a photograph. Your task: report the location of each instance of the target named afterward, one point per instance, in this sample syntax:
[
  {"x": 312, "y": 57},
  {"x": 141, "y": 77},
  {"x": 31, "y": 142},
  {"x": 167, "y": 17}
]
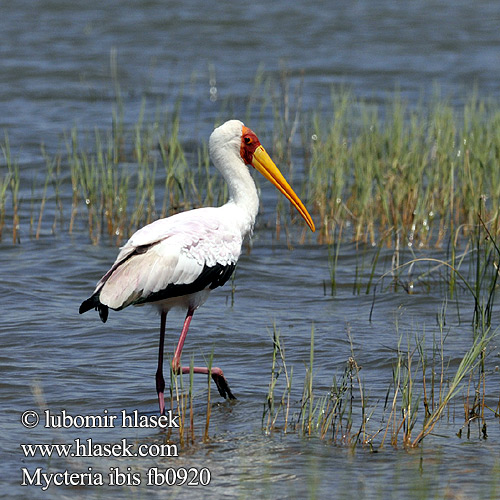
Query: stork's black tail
[{"x": 94, "y": 303}]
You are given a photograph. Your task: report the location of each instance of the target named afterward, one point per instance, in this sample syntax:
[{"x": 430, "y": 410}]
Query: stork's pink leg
[
  {"x": 216, "y": 373},
  {"x": 160, "y": 381}
]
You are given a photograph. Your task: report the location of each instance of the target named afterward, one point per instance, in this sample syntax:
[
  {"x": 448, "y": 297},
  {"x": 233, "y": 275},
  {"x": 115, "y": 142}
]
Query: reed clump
[
  {"x": 427, "y": 380},
  {"x": 424, "y": 390},
  {"x": 366, "y": 171},
  {"x": 10, "y": 183},
  {"x": 182, "y": 403},
  {"x": 420, "y": 170},
  {"x": 127, "y": 181}
]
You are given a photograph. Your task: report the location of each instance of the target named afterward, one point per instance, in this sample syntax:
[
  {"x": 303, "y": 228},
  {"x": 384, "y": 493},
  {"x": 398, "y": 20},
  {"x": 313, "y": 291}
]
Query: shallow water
[{"x": 56, "y": 74}]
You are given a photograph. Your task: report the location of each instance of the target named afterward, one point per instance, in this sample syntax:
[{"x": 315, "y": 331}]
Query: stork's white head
[
  {"x": 225, "y": 140},
  {"x": 232, "y": 145}
]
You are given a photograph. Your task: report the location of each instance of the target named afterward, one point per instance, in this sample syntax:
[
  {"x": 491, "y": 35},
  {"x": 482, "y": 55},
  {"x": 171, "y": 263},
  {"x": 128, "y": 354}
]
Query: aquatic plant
[
  {"x": 11, "y": 181},
  {"x": 412, "y": 175},
  {"x": 425, "y": 382},
  {"x": 4, "y": 186},
  {"x": 422, "y": 389},
  {"x": 419, "y": 170},
  {"x": 182, "y": 404}
]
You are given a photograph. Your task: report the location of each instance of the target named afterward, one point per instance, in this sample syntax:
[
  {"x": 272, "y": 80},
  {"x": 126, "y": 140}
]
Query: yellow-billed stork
[{"x": 177, "y": 261}]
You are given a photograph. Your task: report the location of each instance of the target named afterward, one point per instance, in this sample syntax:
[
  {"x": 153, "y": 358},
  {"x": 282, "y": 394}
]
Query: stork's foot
[
  {"x": 221, "y": 383},
  {"x": 217, "y": 375}
]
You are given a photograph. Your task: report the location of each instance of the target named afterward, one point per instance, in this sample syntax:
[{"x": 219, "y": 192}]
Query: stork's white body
[
  {"x": 177, "y": 261},
  {"x": 178, "y": 249}
]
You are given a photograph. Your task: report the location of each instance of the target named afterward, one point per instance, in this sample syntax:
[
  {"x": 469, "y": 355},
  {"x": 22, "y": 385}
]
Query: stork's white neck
[
  {"x": 242, "y": 191},
  {"x": 225, "y": 153}
]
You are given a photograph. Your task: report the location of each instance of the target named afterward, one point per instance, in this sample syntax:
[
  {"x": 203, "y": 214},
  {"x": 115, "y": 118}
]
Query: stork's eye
[{"x": 248, "y": 140}]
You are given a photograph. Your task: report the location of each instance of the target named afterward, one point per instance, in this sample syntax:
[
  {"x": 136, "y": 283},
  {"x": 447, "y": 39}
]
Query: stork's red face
[
  {"x": 249, "y": 143},
  {"x": 253, "y": 153}
]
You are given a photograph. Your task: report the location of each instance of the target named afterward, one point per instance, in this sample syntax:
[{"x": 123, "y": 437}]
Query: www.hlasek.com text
[{"x": 89, "y": 448}]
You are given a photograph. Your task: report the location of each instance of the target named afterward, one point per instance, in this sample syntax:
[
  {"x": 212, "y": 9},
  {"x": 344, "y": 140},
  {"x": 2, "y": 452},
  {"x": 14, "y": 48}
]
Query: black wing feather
[
  {"x": 94, "y": 303},
  {"x": 210, "y": 277}
]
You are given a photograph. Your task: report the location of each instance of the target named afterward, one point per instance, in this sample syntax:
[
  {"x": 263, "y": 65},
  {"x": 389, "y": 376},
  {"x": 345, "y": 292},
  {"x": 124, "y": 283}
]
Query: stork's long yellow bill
[{"x": 262, "y": 162}]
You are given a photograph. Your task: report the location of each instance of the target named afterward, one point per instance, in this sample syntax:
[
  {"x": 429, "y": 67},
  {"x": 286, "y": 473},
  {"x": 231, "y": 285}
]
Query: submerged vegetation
[
  {"x": 368, "y": 172},
  {"x": 424, "y": 389},
  {"x": 430, "y": 383}
]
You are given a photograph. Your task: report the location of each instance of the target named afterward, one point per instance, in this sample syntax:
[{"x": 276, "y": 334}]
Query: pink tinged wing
[
  {"x": 168, "y": 251},
  {"x": 147, "y": 273}
]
